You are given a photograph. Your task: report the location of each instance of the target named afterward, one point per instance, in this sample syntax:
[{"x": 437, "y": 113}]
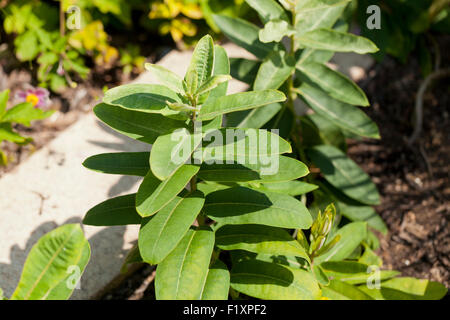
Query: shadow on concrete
[
  {"x": 107, "y": 256},
  {"x": 125, "y": 144}
]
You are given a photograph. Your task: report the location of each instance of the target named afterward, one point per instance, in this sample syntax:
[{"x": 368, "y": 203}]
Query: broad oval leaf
[
  {"x": 221, "y": 67},
  {"x": 288, "y": 169},
  {"x": 317, "y": 14},
  {"x": 202, "y": 63},
  {"x": 154, "y": 194},
  {"x": 161, "y": 233},
  {"x": 171, "y": 151},
  {"x": 268, "y": 10},
  {"x": 344, "y": 174},
  {"x": 149, "y": 98},
  {"x": 353, "y": 272},
  {"x": 239, "y": 101},
  {"x": 275, "y": 31},
  {"x": 245, "y": 146},
  {"x": 292, "y": 188},
  {"x": 145, "y": 127},
  {"x": 272, "y": 281},
  {"x": 338, "y": 290},
  {"x": 117, "y": 211},
  {"x": 244, "y": 70},
  {"x": 352, "y": 235},
  {"x": 48, "y": 261},
  {"x": 406, "y": 288},
  {"x": 274, "y": 71},
  {"x": 125, "y": 163},
  {"x": 167, "y": 77},
  {"x": 258, "y": 239},
  {"x": 242, "y": 205},
  {"x": 181, "y": 275},
  {"x": 343, "y": 115},
  {"x": 255, "y": 118},
  {"x": 217, "y": 283},
  {"x": 244, "y": 34},
  {"x": 333, "y": 82},
  {"x": 331, "y": 40}
]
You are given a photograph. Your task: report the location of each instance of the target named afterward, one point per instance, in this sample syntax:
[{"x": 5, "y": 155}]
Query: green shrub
[{"x": 219, "y": 213}]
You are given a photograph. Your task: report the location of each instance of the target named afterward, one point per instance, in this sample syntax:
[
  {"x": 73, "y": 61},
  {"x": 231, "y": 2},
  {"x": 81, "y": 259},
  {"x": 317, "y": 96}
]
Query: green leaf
[
  {"x": 313, "y": 55},
  {"x": 244, "y": 34},
  {"x": 155, "y": 194},
  {"x": 149, "y": 98},
  {"x": 209, "y": 187},
  {"x": 217, "y": 283},
  {"x": 167, "y": 77},
  {"x": 212, "y": 83},
  {"x": 268, "y": 10},
  {"x": 171, "y": 151},
  {"x": 259, "y": 239},
  {"x": 288, "y": 169},
  {"x": 221, "y": 67},
  {"x": 265, "y": 280},
  {"x": 245, "y": 146},
  {"x": 320, "y": 275},
  {"x": 182, "y": 274},
  {"x": 292, "y": 188},
  {"x": 316, "y": 129},
  {"x": 124, "y": 163},
  {"x": 4, "y": 96},
  {"x": 274, "y": 71},
  {"x": 64, "y": 290},
  {"x": 7, "y": 133},
  {"x": 331, "y": 40},
  {"x": 369, "y": 257},
  {"x": 23, "y": 113},
  {"x": 161, "y": 233},
  {"x": 48, "y": 262},
  {"x": 117, "y": 211},
  {"x": 353, "y": 272},
  {"x": 334, "y": 83},
  {"x": 244, "y": 70},
  {"x": 202, "y": 62},
  {"x": 242, "y": 205},
  {"x": 27, "y": 46},
  {"x": 407, "y": 289},
  {"x": 352, "y": 235},
  {"x": 338, "y": 290},
  {"x": 316, "y": 14},
  {"x": 145, "y": 127},
  {"x": 344, "y": 174},
  {"x": 239, "y": 101},
  {"x": 254, "y": 118},
  {"x": 343, "y": 115},
  {"x": 275, "y": 31}
]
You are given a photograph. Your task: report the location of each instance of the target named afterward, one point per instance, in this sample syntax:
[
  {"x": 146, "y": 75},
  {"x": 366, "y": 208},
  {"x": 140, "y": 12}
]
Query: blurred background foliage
[
  {"x": 65, "y": 56},
  {"x": 407, "y": 28}
]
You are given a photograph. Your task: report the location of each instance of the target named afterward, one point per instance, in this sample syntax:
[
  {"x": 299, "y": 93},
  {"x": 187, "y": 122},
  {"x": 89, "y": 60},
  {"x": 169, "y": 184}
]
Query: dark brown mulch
[{"x": 414, "y": 182}]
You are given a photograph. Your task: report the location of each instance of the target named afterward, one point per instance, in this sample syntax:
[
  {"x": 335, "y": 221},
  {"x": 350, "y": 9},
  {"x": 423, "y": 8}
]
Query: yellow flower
[{"x": 34, "y": 99}]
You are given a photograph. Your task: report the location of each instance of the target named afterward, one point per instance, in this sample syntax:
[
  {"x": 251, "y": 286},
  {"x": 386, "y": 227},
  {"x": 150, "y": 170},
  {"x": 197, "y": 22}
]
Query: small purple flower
[{"x": 38, "y": 97}]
